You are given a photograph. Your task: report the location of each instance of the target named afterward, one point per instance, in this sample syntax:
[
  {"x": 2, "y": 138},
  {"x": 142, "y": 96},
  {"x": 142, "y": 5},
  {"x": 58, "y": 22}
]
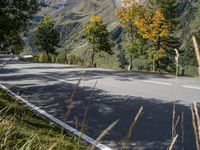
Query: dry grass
[
  {"x": 196, "y": 125},
  {"x": 128, "y": 136},
  {"x": 103, "y": 134},
  {"x": 173, "y": 142},
  {"x": 70, "y": 102},
  {"x": 196, "y": 48},
  {"x": 175, "y": 92}
]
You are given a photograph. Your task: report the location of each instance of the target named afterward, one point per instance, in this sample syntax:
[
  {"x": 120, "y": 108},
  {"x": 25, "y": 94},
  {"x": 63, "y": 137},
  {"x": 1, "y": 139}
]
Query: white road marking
[
  {"x": 16, "y": 67},
  {"x": 99, "y": 74},
  {"x": 156, "y": 82},
  {"x": 62, "y": 80},
  {"x": 57, "y": 121},
  {"x": 191, "y": 87}
]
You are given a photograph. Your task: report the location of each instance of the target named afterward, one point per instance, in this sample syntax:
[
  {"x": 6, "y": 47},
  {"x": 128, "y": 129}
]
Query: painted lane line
[
  {"x": 17, "y": 67},
  {"x": 156, "y": 82},
  {"x": 191, "y": 87},
  {"x": 56, "y": 121},
  {"x": 61, "y": 80}
]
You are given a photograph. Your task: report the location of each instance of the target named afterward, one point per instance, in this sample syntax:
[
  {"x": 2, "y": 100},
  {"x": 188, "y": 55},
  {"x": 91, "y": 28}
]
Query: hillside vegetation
[{"x": 71, "y": 17}]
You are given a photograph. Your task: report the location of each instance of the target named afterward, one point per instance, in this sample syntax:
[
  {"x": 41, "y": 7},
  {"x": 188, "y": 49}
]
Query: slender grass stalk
[
  {"x": 70, "y": 102},
  {"x": 196, "y": 48},
  {"x": 128, "y": 136},
  {"x": 173, "y": 142},
  {"x": 182, "y": 130},
  {"x": 197, "y": 120},
  {"x": 103, "y": 134},
  {"x": 83, "y": 126},
  {"x": 195, "y": 126},
  {"x": 53, "y": 146},
  {"x": 176, "y": 123},
  {"x": 175, "y": 92},
  {"x": 87, "y": 107}
]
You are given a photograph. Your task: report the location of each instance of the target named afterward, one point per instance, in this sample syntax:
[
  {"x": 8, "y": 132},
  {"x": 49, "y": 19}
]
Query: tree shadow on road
[{"x": 152, "y": 132}]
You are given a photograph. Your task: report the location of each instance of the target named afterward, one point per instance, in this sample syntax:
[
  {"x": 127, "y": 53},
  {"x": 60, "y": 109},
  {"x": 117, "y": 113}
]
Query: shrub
[
  {"x": 62, "y": 58},
  {"x": 42, "y": 58},
  {"x": 191, "y": 70}
]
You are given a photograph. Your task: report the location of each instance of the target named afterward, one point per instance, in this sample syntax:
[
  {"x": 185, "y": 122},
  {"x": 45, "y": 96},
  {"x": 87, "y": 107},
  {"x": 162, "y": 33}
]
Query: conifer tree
[{"x": 170, "y": 10}]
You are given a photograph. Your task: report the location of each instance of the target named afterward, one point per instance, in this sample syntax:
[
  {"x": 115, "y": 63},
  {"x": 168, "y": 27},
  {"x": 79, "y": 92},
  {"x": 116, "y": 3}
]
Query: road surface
[{"x": 118, "y": 95}]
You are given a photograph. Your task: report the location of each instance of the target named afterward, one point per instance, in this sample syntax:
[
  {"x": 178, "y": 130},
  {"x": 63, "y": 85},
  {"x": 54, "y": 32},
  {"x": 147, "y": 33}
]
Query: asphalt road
[{"x": 118, "y": 95}]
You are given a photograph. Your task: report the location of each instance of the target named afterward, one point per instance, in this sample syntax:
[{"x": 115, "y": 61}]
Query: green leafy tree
[
  {"x": 98, "y": 36},
  {"x": 47, "y": 38},
  {"x": 14, "y": 18},
  {"x": 127, "y": 14},
  {"x": 135, "y": 49}
]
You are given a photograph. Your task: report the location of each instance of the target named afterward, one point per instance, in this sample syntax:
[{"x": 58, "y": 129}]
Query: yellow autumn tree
[
  {"x": 152, "y": 27},
  {"x": 127, "y": 13}
]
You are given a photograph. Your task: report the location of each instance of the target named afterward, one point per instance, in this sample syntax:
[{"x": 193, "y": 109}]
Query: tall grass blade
[
  {"x": 128, "y": 136},
  {"x": 196, "y": 48},
  {"x": 103, "y": 134}
]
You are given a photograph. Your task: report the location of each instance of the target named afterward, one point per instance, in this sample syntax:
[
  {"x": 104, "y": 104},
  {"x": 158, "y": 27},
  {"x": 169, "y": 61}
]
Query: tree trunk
[
  {"x": 48, "y": 56},
  {"x": 131, "y": 64},
  {"x": 154, "y": 65},
  {"x": 93, "y": 54}
]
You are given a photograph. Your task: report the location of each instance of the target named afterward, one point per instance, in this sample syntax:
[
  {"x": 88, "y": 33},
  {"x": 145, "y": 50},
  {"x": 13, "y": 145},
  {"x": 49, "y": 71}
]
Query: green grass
[{"x": 21, "y": 129}]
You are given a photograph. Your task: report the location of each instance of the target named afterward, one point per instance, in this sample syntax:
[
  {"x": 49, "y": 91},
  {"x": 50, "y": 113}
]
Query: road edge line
[
  {"x": 55, "y": 120},
  {"x": 191, "y": 87},
  {"x": 157, "y": 82}
]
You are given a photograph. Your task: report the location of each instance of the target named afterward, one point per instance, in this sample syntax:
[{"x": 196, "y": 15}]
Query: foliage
[
  {"x": 47, "y": 38},
  {"x": 127, "y": 14},
  {"x": 98, "y": 36},
  {"x": 152, "y": 27},
  {"x": 62, "y": 58},
  {"x": 16, "y": 44},
  {"x": 171, "y": 12},
  {"x": 14, "y": 18},
  {"x": 42, "y": 58}
]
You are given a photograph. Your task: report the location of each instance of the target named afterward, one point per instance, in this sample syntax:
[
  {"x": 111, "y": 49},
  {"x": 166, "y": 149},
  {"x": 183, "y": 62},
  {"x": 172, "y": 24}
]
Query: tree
[
  {"x": 152, "y": 27},
  {"x": 171, "y": 11},
  {"x": 127, "y": 13},
  {"x": 14, "y": 18},
  {"x": 47, "y": 38},
  {"x": 98, "y": 36},
  {"x": 135, "y": 49}
]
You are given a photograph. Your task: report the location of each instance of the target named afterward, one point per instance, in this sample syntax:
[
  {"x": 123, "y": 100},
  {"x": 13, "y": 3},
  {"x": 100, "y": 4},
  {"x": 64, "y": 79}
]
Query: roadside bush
[
  {"x": 42, "y": 58},
  {"x": 140, "y": 64},
  {"x": 35, "y": 58},
  {"x": 53, "y": 58},
  {"x": 76, "y": 60},
  {"x": 62, "y": 58},
  {"x": 191, "y": 70}
]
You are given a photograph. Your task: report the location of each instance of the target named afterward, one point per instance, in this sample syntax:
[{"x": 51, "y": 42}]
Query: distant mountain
[{"x": 71, "y": 16}]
